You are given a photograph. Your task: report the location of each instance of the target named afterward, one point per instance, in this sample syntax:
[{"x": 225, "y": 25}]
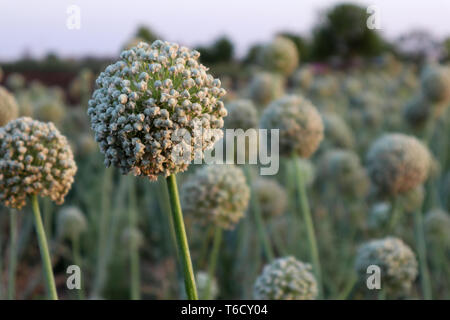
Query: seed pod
[
  {"x": 280, "y": 56},
  {"x": 270, "y": 195},
  {"x": 71, "y": 223},
  {"x": 266, "y": 87},
  {"x": 156, "y": 109},
  {"x": 242, "y": 114},
  {"x": 35, "y": 159},
  {"x": 437, "y": 228},
  {"x": 9, "y": 109},
  {"x": 436, "y": 83},
  {"x": 286, "y": 279},
  {"x": 396, "y": 260},
  {"x": 398, "y": 163},
  {"x": 216, "y": 194},
  {"x": 300, "y": 124}
]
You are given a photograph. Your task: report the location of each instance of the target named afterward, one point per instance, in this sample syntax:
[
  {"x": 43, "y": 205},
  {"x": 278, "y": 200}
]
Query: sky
[{"x": 40, "y": 26}]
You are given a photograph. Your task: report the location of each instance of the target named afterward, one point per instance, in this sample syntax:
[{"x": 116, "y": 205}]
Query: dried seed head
[
  {"x": 343, "y": 168},
  {"x": 132, "y": 235},
  {"x": 300, "y": 124},
  {"x": 270, "y": 195},
  {"x": 242, "y": 114},
  {"x": 35, "y": 159},
  {"x": 216, "y": 194},
  {"x": 15, "y": 81},
  {"x": 146, "y": 104},
  {"x": 303, "y": 78},
  {"x": 9, "y": 109},
  {"x": 398, "y": 163},
  {"x": 49, "y": 109},
  {"x": 437, "y": 227},
  {"x": 337, "y": 133},
  {"x": 266, "y": 87},
  {"x": 71, "y": 223},
  {"x": 436, "y": 83},
  {"x": 281, "y": 56},
  {"x": 395, "y": 259},
  {"x": 286, "y": 279},
  {"x": 417, "y": 111}
]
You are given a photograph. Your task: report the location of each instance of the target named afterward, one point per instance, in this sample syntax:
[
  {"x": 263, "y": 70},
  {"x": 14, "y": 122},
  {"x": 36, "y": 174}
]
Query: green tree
[
  {"x": 221, "y": 51},
  {"x": 343, "y": 32},
  {"x": 146, "y": 34}
]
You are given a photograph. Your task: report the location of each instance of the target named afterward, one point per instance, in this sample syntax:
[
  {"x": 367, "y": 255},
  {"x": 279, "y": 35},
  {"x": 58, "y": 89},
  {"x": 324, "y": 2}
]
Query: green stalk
[
  {"x": 182, "y": 242},
  {"x": 396, "y": 212},
  {"x": 262, "y": 231},
  {"x": 43, "y": 247},
  {"x": 78, "y": 262},
  {"x": 134, "y": 250},
  {"x": 12, "y": 255},
  {"x": 422, "y": 255},
  {"x": 268, "y": 251},
  {"x": 307, "y": 219},
  {"x": 213, "y": 260}
]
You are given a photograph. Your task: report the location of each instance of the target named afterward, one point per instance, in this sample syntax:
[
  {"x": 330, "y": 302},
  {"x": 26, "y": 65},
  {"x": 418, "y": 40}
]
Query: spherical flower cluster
[
  {"x": 15, "y": 81},
  {"x": 436, "y": 83},
  {"x": 286, "y": 279},
  {"x": 148, "y": 105},
  {"x": 396, "y": 260},
  {"x": 303, "y": 78},
  {"x": 270, "y": 195},
  {"x": 242, "y": 114},
  {"x": 366, "y": 110},
  {"x": 49, "y": 110},
  {"x": 398, "y": 163},
  {"x": 281, "y": 56},
  {"x": 202, "y": 282},
  {"x": 337, "y": 133},
  {"x": 133, "y": 236},
  {"x": 417, "y": 111},
  {"x": 217, "y": 194},
  {"x": 266, "y": 87},
  {"x": 343, "y": 169},
  {"x": 437, "y": 227},
  {"x": 26, "y": 107},
  {"x": 300, "y": 124},
  {"x": 35, "y": 159},
  {"x": 9, "y": 109},
  {"x": 71, "y": 223}
]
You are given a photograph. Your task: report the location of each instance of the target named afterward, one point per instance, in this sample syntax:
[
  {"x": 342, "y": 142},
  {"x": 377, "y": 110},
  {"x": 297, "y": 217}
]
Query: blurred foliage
[
  {"x": 221, "y": 51},
  {"x": 342, "y": 32}
]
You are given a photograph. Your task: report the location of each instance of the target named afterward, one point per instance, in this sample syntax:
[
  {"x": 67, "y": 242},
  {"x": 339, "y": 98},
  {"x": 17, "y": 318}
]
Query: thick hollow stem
[
  {"x": 422, "y": 253},
  {"x": 213, "y": 260},
  {"x": 43, "y": 247},
  {"x": 262, "y": 231},
  {"x": 396, "y": 212},
  {"x": 307, "y": 219},
  {"x": 12, "y": 255},
  {"x": 182, "y": 242},
  {"x": 135, "y": 290}
]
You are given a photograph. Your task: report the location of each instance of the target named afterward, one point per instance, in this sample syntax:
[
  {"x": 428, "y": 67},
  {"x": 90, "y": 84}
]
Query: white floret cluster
[{"x": 148, "y": 101}]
